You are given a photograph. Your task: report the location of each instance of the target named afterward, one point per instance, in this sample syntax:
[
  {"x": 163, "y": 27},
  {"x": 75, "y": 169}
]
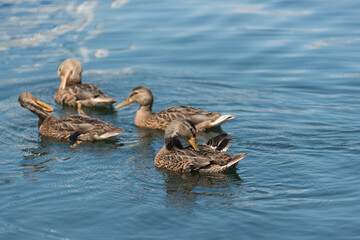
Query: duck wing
[
  {"x": 219, "y": 142},
  {"x": 161, "y": 120},
  {"x": 215, "y": 149},
  {"x": 183, "y": 160},
  {"x": 202, "y": 162},
  {"x": 201, "y": 118},
  {"x": 187, "y": 110},
  {"x": 85, "y": 128},
  {"x": 193, "y": 114},
  {"x": 87, "y": 94},
  {"x": 222, "y": 165}
]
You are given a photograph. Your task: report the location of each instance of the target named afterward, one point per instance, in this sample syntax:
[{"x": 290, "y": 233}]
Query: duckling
[
  {"x": 145, "y": 118},
  {"x": 73, "y": 127},
  {"x": 73, "y": 93},
  {"x": 204, "y": 158}
]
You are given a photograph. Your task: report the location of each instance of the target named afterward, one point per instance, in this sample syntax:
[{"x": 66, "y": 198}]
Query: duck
[
  {"x": 145, "y": 118},
  {"x": 203, "y": 158},
  {"x": 72, "y": 92},
  {"x": 74, "y": 127}
]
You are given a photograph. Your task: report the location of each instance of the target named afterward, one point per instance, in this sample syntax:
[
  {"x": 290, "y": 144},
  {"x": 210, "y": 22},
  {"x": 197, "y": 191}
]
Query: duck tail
[
  {"x": 110, "y": 134},
  {"x": 220, "y": 120},
  {"x": 234, "y": 161},
  {"x": 104, "y": 100},
  {"x": 224, "y": 145},
  {"x": 216, "y": 168},
  {"x": 98, "y": 102}
]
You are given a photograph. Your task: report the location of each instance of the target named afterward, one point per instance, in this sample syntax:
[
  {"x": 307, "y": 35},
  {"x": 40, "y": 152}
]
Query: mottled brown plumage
[
  {"x": 72, "y": 91},
  {"x": 73, "y": 127},
  {"x": 145, "y": 118},
  {"x": 210, "y": 157}
]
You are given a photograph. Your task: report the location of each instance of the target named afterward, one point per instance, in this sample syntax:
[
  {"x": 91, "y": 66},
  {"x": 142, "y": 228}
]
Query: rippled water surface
[{"x": 288, "y": 70}]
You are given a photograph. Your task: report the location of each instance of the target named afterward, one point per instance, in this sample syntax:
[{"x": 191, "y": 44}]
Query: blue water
[{"x": 288, "y": 70}]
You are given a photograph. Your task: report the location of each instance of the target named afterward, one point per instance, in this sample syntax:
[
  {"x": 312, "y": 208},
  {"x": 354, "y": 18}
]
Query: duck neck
[
  {"x": 41, "y": 113},
  {"x": 171, "y": 142},
  {"x": 41, "y": 120},
  {"x": 71, "y": 84},
  {"x": 144, "y": 112}
]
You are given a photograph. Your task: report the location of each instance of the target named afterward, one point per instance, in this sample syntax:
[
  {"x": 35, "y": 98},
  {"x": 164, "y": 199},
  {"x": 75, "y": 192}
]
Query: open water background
[{"x": 288, "y": 70}]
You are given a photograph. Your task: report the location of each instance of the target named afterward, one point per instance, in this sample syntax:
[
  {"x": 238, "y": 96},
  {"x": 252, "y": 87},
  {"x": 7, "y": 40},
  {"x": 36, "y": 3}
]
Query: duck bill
[
  {"x": 194, "y": 144},
  {"x": 124, "y": 103},
  {"x": 45, "y": 106},
  {"x": 64, "y": 79}
]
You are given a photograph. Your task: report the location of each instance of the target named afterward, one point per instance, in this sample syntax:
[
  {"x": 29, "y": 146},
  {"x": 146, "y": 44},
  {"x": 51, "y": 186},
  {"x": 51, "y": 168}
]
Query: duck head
[
  {"x": 33, "y": 104},
  {"x": 141, "y": 95},
  {"x": 181, "y": 128},
  {"x": 69, "y": 72}
]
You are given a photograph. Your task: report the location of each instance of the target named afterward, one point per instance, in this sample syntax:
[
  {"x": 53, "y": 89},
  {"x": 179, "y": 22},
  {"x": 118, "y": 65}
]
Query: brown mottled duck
[
  {"x": 73, "y": 127},
  {"x": 204, "y": 158},
  {"x": 73, "y": 93},
  {"x": 160, "y": 120}
]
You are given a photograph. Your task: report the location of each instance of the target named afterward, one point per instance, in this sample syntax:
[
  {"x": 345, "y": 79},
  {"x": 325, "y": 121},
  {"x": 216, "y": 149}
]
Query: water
[{"x": 289, "y": 72}]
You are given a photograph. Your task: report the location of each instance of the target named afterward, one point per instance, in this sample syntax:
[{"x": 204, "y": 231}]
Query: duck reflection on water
[
  {"x": 183, "y": 190},
  {"x": 47, "y": 151}
]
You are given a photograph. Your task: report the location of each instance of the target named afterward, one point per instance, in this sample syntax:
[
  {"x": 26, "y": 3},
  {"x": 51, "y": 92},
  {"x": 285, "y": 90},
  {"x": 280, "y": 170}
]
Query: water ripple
[{"x": 288, "y": 71}]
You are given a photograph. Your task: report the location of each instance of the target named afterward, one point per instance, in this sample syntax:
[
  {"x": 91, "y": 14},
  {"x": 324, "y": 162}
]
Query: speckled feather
[
  {"x": 180, "y": 160},
  {"x": 88, "y": 128},
  {"x": 81, "y": 126},
  {"x": 72, "y": 91},
  {"x": 211, "y": 156},
  {"x": 145, "y": 118},
  {"x": 161, "y": 120},
  {"x": 70, "y": 95}
]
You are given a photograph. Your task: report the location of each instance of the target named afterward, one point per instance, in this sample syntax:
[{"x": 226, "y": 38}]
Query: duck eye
[{"x": 132, "y": 94}]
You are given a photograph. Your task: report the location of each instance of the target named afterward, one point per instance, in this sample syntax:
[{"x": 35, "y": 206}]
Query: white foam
[
  {"x": 83, "y": 15},
  {"x": 331, "y": 42},
  {"x": 85, "y": 53},
  {"x": 259, "y": 9},
  {"x": 109, "y": 72},
  {"x": 17, "y": 1},
  {"x": 118, "y": 3},
  {"x": 101, "y": 53}
]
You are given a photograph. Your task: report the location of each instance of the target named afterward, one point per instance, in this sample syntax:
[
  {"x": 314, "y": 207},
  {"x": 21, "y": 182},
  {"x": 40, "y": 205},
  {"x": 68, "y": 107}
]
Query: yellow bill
[
  {"x": 44, "y": 106},
  {"x": 194, "y": 144},
  {"x": 124, "y": 103},
  {"x": 64, "y": 79}
]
